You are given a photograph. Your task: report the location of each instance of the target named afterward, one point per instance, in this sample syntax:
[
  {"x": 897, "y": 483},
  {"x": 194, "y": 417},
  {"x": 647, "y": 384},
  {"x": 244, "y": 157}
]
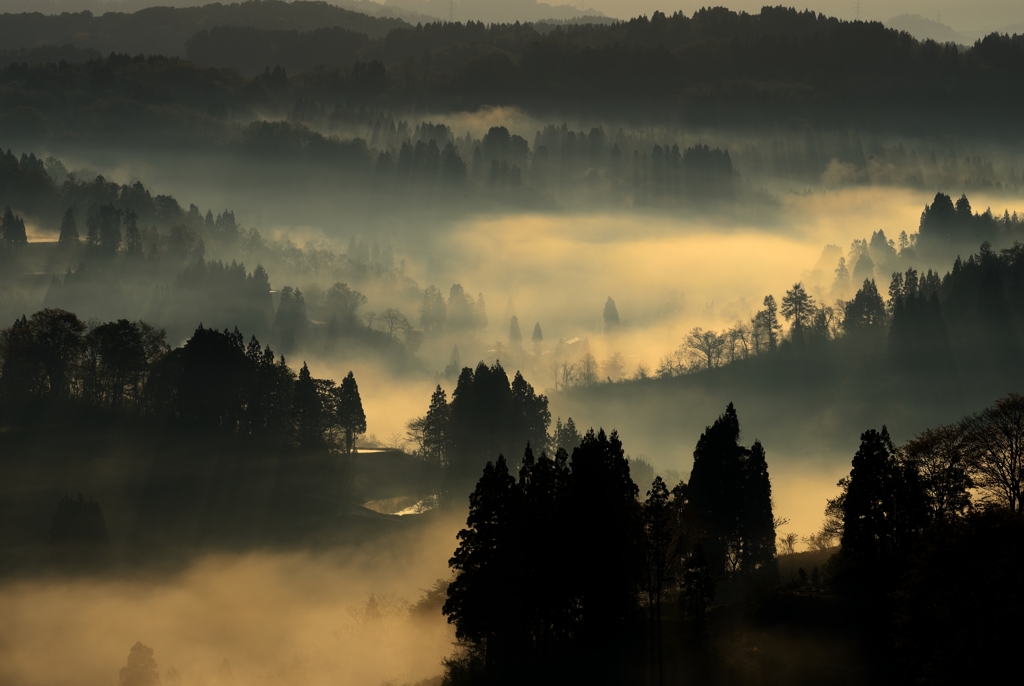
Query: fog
[{"x": 258, "y": 618}]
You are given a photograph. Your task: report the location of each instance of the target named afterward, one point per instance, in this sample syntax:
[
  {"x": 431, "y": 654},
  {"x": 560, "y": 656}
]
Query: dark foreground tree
[
  {"x": 349, "y": 411},
  {"x": 549, "y": 568},
  {"x": 729, "y": 493}
]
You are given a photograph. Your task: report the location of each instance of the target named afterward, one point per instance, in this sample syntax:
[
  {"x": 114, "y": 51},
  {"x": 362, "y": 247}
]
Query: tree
[
  {"x": 798, "y": 305},
  {"x": 757, "y": 522},
  {"x": 515, "y": 337},
  {"x": 141, "y": 668},
  {"x": 58, "y": 341},
  {"x": 12, "y": 230},
  {"x": 729, "y": 495},
  {"x": 565, "y": 437},
  {"x": 343, "y": 303},
  {"x": 866, "y": 312},
  {"x": 538, "y": 339},
  {"x": 714, "y": 490},
  {"x": 994, "y": 439},
  {"x": 482, "y": 602},
  {"x": 658, "y": 535},
  {"x": 68, "y": 229},
  {"x": 436, "y": 440},
  {"x": 611, "y": 315},
  {"x": 433, "y": 310},
  {"x": 707, "y": 346},
  {"x": 883, "y": 505},
  {"x": 586, "y": 371},
  {"x": 766, "y": 328},
  {"x": 941, "y": 457},
  {"x": 349, "y": 411},
  {"x": 394, "y": 322},
  {"x": 841, "y": 284},
  {"x": 309, "y": 411},
  {"x": 529, "y": 412},
  {"x": 607, "y": 575}
]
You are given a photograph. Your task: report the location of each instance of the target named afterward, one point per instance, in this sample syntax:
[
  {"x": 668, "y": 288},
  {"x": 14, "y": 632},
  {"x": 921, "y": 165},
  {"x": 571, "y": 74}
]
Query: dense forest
[
  {"x": 716, "y": 67},
  {"x": 621, "y": 589}
]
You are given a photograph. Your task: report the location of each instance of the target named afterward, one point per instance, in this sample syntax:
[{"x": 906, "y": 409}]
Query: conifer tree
[
  {"x": 611, "y": 315},
  {"x": 757, "y": 523},
  {"x": 350, "y": 415},
  {"x": 309, "y": 411},
  {"x": 515, "y": 337},
  {"x": 436, "y": 439}
]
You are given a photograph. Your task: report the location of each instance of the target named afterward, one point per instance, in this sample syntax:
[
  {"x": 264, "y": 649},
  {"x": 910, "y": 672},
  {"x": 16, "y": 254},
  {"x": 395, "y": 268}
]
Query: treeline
[
  {"x": 165, "y": 30},
  {"x": 46, "y": 190},
  {"x": 939, "y": 331},
  {"x": 56, "y": 368},
  {"x": 717, "y": 67},
  {"x": 533, "y": 599}
]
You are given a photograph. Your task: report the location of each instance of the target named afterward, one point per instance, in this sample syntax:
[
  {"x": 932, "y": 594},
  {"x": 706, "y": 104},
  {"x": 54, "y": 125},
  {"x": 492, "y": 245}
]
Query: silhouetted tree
[
  {"x": 436, "y": 441},
  {"x": 611, "y": 315},
  {"x": 994, "y": 440},
  {"x": 565, "y": 437},
  {"x": 309, "y": 413},
  {"x": 798, "y": 306},
  {"x": 349, "y": 411}
]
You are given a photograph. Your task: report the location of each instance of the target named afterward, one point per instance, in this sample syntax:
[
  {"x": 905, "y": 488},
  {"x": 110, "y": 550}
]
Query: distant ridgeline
[{"x": 716, "y": 67}]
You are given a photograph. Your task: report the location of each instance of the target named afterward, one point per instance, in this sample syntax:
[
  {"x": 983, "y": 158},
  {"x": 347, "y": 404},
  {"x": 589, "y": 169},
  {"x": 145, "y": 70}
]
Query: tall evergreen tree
[
  {"x": 715, "y": 493},
  {"x": 798, "y": 306},
  {"x": 608, "y": 566},
  {"x": 436, "y": 439},
  {"x": 309, "y": 412},
  {"x": 611, "y": 315},
  {"x": 515, "y": 337},
  {"x": 350, "y": 416},
  {"x": 757, "y": 521},
  {"x": 482, "y": 600}
]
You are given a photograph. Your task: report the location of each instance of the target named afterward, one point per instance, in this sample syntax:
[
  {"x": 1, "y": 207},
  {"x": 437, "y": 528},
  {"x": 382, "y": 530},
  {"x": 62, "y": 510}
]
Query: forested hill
[
  {"x": 716, "y": 67},
  {"x": 164, "y": 30}
]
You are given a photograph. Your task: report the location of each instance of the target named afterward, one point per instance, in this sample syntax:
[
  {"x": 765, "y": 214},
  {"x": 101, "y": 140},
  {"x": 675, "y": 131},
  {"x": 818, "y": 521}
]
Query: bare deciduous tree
[
  {"x": 994, "y": 439},
  {"x": 393, "y": 322},
  {"x": 706, "y": 346}
]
